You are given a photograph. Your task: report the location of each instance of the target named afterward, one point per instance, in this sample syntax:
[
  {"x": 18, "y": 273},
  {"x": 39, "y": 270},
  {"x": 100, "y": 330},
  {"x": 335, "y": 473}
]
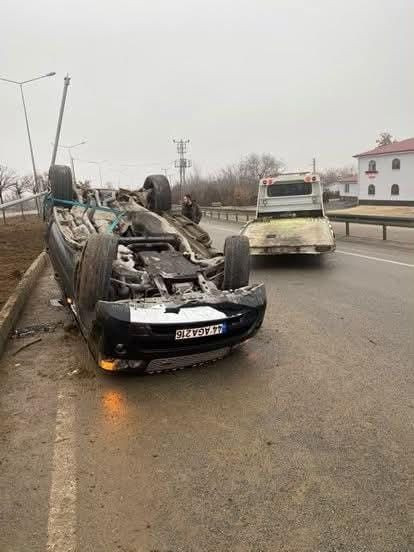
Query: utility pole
[
  {"x": 314, "y": 165},
  {"x": 66, "y": 82},
  {"x": 182, "y": 163}
]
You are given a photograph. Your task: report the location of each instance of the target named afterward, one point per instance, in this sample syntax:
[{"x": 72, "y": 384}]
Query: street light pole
[
  {"x": 30, "y": 140},
  {"x": 21, "y": 83},
  {"x": 72, "y": 165},
  {"x": 99, "y": 163},
  {"x": 100, "y": 174}
]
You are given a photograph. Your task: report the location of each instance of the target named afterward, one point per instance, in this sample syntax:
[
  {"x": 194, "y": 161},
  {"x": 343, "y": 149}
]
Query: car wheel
[
  {"x": 94, "y": 274},
  {"x": 236, "y": 262},
  {"x": 61, "y": 186},
  {"x": 159, "y": 199}
]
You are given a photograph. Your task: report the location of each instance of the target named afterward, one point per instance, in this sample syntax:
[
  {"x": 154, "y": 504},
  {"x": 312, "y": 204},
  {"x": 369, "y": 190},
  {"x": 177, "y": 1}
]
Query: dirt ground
[{"x": 21, "y": 240}]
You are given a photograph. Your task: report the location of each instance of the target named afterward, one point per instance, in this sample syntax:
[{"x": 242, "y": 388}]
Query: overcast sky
[{"x": 296, "y": 78}]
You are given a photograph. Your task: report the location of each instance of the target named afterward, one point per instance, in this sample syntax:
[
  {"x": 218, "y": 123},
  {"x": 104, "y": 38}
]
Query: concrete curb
[{"x": 14, "y": 306}]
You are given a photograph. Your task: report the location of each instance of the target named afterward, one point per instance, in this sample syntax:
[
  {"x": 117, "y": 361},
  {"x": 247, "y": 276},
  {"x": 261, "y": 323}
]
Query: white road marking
[
  {"x": 62, "y": 501},
  {"x": 374, "y": 258}
]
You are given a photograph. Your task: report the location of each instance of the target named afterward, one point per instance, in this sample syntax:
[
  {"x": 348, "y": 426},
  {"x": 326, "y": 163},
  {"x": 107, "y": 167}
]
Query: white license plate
[{"x": 206, "y": 331}]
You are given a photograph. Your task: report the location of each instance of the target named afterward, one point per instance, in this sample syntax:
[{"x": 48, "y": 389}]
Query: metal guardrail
[
  {"x": 243, "y": 214},
  {"x": 8, "y": 204},
  {"x": 402, "y": 222},
  {"x": 248, "y": 213},
  {"x": 34, "y": 197}
]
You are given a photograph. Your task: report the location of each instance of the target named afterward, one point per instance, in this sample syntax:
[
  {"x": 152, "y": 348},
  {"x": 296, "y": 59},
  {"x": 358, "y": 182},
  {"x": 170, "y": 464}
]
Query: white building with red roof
[
  {"x": 386, "y": 174},
  {"x": 347, "y": 186}
]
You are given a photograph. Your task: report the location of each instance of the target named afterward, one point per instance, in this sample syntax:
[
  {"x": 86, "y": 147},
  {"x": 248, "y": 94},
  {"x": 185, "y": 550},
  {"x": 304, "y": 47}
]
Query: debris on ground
[
  {"x": 35, "y": 328},
  {"x": 26, "y": 345},
  {"x": 74, "y": 372}
]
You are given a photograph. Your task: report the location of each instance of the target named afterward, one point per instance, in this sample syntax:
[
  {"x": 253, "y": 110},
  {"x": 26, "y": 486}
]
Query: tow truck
[{"x": 290, "y": 217}]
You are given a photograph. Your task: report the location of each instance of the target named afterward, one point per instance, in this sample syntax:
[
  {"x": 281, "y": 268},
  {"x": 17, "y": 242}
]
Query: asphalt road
[{"x": 300, "y": 441}]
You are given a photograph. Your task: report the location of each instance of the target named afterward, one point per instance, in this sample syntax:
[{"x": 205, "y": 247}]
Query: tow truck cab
[{"x": 290, "y": 217}]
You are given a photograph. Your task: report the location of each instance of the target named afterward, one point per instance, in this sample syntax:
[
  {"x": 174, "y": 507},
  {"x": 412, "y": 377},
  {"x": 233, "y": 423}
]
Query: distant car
[{"x": 145, "y": 285}]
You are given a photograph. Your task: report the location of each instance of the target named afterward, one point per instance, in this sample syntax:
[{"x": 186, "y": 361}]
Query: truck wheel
[
  {"x": 160, "y": 197},
  {"x": 236, "y": 262},
  {"x": 61, "y": 186},
  {"x": 94, "y": 274}
]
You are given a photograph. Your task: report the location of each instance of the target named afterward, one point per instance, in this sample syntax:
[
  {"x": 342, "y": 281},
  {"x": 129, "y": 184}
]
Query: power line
[{"x": 182, "y": 163}]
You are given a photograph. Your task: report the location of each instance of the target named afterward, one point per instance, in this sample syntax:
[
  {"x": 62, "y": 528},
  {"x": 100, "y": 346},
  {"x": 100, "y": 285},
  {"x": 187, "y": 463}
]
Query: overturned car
[{"x": 147, "y": 288}]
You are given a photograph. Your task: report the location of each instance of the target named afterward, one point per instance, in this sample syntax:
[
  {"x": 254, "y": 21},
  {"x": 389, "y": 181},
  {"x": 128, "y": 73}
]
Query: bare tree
[
  {"x": 7, "y": 178},
  {"x": 42, "y": 180},
  {"x": 256, "y": 166},
  {"x": 329, "y": 176},
  {"x": 24, "y": 184},
  {"x": 384, "y": 139},
  {"x": 234, "y": 184},
  {"x": 251, "y": 169}
]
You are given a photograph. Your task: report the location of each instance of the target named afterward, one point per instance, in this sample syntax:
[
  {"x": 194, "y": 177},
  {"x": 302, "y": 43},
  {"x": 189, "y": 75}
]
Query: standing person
[{"x": 190, "y": 209}]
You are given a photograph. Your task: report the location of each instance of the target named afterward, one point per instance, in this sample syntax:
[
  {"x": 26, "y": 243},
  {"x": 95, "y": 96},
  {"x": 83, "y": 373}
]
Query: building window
[
  {"x": 347, "y": 187},
  {"x": 396, "y": 163},
  {"x": 395, "y": 189},
  {"x": 372, "y": 166},
  {"x": 371, "y": 189}
]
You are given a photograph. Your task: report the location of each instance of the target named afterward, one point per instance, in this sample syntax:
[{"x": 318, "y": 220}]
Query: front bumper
[{"x": 116, "y": 338}]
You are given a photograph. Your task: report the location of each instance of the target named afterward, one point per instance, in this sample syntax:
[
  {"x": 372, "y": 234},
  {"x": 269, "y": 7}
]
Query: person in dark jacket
[{"x": 190, "y": 209}]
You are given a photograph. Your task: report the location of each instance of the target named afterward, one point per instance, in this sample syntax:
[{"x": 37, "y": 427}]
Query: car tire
[
  {"x": 93, "y": 274},
  {"x": 61, "y": 185},
  {"x": 236, "y": 262},
  {"x": 160, "y": 197}
]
